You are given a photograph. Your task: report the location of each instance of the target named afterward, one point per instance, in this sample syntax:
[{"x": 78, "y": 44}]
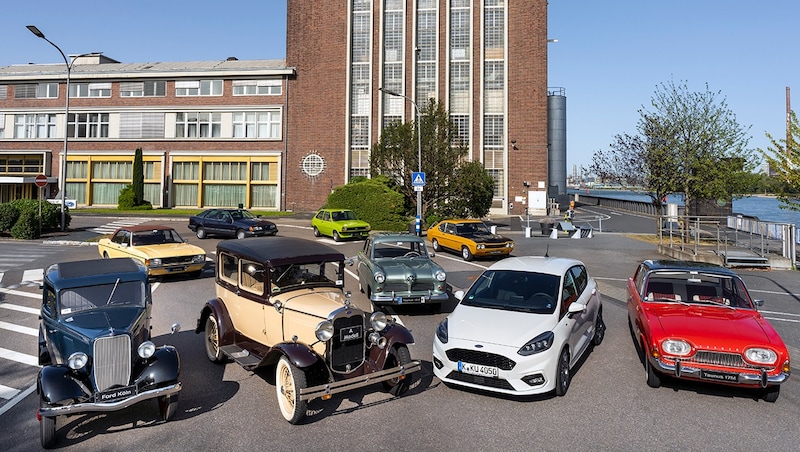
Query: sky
[{"x": 610, "y": 57}]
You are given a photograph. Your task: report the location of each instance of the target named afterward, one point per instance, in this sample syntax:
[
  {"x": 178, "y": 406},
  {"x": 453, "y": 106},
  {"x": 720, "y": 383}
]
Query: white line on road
[
  {"x": 18, "y": 308},
  {"x": 7, "y": 393},
  {"x": 17, "y": 399},
  {"x": 19, "y": 329},
  {"x": 20, "y": 293},
  {"x": 19, "y": 357}
]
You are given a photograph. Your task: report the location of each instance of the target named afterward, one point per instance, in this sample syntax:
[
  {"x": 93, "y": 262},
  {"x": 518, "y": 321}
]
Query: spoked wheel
[
  {"x": 562, "y": 373},
  {"x": 47, "y": 430},
  {"x": 200, "y": 233},
  {"x": 167, "y": 406},
  {"x": 212, "y": 340},
  {"x": 288, "y": 381},
  {"x": 599, "y": 329},
  {"x": 398, "y": 356}
]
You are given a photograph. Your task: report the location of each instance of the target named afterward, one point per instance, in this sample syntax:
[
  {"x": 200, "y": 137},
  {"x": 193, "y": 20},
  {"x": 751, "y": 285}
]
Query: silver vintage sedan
[{"x": 396, "y": 269}]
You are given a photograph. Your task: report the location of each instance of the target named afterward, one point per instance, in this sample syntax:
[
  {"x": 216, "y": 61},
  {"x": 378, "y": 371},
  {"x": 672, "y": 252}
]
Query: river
[{"x": 765, "y": 208}]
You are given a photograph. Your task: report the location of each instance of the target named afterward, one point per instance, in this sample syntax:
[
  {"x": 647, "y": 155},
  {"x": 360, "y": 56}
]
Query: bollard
[{"x": 528, "y": 232}]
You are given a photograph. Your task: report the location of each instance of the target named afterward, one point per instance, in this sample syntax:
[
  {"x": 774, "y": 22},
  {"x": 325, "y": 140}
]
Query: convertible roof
[{"x": 276, "y": 251}]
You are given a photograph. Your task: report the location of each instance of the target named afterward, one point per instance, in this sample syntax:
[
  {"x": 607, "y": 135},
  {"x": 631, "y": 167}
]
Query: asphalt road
[{"x": 608, "y": 406}]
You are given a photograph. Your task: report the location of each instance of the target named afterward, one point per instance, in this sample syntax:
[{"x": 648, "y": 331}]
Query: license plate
[
  {"x": 176, "y": 269},
  {"x": 115, "y": 394},
  {"x": 477, "y": 369},
  {"x": 719, "y": 376},
  {"x": 401, "y": 300}
]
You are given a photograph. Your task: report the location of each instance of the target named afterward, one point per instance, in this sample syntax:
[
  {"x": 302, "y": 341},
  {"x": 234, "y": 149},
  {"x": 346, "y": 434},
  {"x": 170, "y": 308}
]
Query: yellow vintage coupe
[{"x": 160, "y": 248}]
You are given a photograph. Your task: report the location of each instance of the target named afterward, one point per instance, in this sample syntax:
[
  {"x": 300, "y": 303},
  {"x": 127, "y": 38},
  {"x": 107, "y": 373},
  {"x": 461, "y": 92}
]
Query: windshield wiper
[{"x": 113, "y": 289}]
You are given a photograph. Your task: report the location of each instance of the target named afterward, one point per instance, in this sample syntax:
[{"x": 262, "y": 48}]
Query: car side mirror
[
  {"x": 576, "y": 308},
  {"x": 758, "y": 303},
  {"x": 459, "y": 294},
  {"x": 351, "y": 261}
]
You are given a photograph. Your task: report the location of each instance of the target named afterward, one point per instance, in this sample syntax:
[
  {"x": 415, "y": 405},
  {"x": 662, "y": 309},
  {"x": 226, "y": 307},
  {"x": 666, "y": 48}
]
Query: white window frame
[
  {"x": 257, "y": 88},
  {"x": 263, "y": 124},
  {"x": 191, "y": 88}
]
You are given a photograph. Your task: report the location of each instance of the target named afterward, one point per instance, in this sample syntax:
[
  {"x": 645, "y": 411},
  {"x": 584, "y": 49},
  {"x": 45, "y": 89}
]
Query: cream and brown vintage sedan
[{"x": 160, "y": 248}]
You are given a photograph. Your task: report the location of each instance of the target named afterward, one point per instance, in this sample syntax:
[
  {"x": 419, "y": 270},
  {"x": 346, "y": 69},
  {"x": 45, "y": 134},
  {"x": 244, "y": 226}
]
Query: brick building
[{"x": 282, "y": 134}]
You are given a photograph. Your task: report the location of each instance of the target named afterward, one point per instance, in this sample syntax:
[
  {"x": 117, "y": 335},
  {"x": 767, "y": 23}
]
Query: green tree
[
  {"x": 395, "y": 155},
  {"x": 689, "y": 143},
  {"x": 783, "y": 157},
  {"x": 138, "y": 177}
]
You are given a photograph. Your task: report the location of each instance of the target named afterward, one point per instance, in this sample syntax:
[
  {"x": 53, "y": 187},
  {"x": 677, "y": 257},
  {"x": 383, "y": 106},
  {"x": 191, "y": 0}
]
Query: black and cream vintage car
[
  {"x": 281, "y": 306},
  {"x": 95, "y": 347}
]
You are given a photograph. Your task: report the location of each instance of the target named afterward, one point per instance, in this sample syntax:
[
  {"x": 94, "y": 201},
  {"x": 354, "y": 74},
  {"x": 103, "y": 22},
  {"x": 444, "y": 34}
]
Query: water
[{"x": 765, "y": 208}]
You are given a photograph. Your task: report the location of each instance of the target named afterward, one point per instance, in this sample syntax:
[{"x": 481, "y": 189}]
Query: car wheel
[
  {"x": 653, "y": 379},
  {"x": 105, "y": 254},
  {"x": 599, "y": 328},
  {"x": 562, "y": 373},
  {"x": 200, "y": 233},
  {"x": 47, "y": 430},
  {"x": 336, "y": 237},
  {"x": 212, "y": 340},
  {"x": 167, "y": 406},
  {"x": 398, "y": 356},
  {"x": 772, "y": 393},
  {"x": 288, "y": 381},
  {"x": 240, "y": 234},
  {"x": 316, "y": 232},
  {"x": 436, "y": 246},
  {"x": 466, "y": 253}
]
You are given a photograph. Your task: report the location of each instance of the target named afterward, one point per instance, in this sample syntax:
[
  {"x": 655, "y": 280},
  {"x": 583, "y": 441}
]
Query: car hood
[
  {"x": 254, "y": 222},
  {"x": 712, "y": 326},
  {"x": 405, "y": 267},
  {"x": 495, "y": 326},
  {"x": 170, "y": 249},
  {"x": 318, "y": 302},
  {"x": 486, "y": 238},
  {"x": 101, "y": 322},
  {"x": 352, "y": 223}
]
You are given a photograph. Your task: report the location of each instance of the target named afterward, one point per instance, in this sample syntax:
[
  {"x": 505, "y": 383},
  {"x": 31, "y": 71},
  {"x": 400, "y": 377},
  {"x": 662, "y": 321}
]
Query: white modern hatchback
[{"x": 521, "y": 327}]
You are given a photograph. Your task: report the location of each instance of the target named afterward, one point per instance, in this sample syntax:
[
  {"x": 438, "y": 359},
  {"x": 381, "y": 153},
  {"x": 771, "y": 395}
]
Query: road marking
[
  {"x": 33, "y": 275},
  {"x": 7, "y": 393},
  {"x": 19, "y": 357},
  {"x": 774, "y": 292},
  {"x": 16, "y": 307},
  {"x": 19, "y": 329},
  {"x": 17, "y": 399}
]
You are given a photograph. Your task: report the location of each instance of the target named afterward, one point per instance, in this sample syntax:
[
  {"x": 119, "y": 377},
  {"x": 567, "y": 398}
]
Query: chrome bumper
[
  {"x": 679, "y": 370},
  {"x": 357, "y": 382},
  {"x": 392, "y": 298},
  {"x": 52, "y": 411}
]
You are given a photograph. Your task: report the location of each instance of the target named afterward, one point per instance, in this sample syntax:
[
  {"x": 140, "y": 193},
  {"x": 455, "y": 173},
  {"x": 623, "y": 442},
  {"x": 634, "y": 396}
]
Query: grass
[{"x": 161, "y": 212}]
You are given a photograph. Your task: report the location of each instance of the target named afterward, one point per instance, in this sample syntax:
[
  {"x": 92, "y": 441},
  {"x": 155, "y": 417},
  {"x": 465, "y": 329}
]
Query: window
[
  {"x": 3, "y": 91},
  {"x": 35, "y": 125},
  {"x": 141, "y": 125},
  {"x": 198, "y": 88},
  {"x": 88, "y": 125},
  {"x": 186, "y": 171},
  {"x": 256, "y": 87},
  {"x": 257, "y": 124},
  {"x": 36, "y": 91},
  {"x": 198, "y": 125},
  {"x": 47, "y": 90},
  {"x": 90, "y": 90},
  {"x": 151, "y": 88},
  {"x": 225, "y": 171}
]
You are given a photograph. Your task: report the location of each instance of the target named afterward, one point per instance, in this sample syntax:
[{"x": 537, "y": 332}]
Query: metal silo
[{"x": 557, "y": 143}]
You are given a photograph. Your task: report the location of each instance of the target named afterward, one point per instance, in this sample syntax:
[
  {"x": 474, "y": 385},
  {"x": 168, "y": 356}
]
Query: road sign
[
  {"x": 417, "y": 179},
  {"x": 41, "y": 180}
]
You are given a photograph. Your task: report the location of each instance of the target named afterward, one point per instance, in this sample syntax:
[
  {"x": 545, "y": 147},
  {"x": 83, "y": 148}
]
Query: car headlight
[
  {"x": 379, "y": 277},
  {"x": 378, "y": 320},
  {"x": 324, "y": 331},
  {"x": 199, "y": 258},
  {"x": 146, "y": 349},
  {"x": 676, "y": 347},
  {"x": 480, "y": 246},
  {"x": 77, "y": 360},
  {"x": 538, "y": 344},
  {"x": 155, "y": 262},
  {"x": 510, "y": 245},
  {"x": 441, "y": 331},
  {"x": 441, "y": 275},
  {"x": 760, "y": 355}
]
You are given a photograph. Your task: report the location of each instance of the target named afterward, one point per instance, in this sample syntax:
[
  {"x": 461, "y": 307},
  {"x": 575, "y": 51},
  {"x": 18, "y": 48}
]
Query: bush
[
  {"x": 51, "y": 213},
  {"x": 9, "y": 213},
  {"x": 27, "y": 226},
  {"x": 127, "y": 200},
  {"x": 372, "y": 201}
]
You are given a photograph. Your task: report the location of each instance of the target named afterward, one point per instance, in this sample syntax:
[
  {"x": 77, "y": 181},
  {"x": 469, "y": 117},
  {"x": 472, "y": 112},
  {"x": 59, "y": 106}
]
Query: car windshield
[
  {"x": 514, "y": 291},
  {"x": 343, "y": 215},
  {"x": 241, "y": 214},
  {"x": 471, "y": 229},
  {"x": 156, "y": 237},
  {"x": 291, "y": 276},
  {"x": 399, "y": 249},
  {"x": 119, "y": 293},
  {"x": 697, "y": 288}
]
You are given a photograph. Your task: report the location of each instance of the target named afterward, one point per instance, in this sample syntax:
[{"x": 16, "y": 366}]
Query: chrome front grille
[
  {"x": 179, "y": 260},
  {"x": 717, "y": 359},
  {"x": 347, "y": 346},
  {"x": 111, "y": 361}
]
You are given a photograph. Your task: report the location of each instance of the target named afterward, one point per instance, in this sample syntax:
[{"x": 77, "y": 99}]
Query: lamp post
[
  {"x": 62, "y": 177},
  {"x": 419, "y": 154}
]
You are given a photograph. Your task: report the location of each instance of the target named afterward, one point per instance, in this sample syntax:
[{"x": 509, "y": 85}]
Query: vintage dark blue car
[
  {"x": 94, "y": 343},
  {"x": 237, "y": 223}
]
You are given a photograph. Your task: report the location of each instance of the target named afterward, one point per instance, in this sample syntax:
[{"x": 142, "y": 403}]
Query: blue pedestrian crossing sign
[{"x": 417, "y": 179}]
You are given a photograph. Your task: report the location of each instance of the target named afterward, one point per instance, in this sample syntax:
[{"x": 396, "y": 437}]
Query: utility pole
[{"x": 789, "y": 144}]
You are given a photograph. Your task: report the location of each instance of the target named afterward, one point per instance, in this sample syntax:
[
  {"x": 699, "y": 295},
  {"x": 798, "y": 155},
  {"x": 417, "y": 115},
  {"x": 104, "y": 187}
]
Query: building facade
[
  {"x": 486, "y": 60},
  {"x": 282, "y": 135}
]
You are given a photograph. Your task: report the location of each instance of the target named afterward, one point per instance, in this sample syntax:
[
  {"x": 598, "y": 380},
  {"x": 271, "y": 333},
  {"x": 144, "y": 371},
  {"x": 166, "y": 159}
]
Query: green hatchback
[{"x": 339, "y": 224}]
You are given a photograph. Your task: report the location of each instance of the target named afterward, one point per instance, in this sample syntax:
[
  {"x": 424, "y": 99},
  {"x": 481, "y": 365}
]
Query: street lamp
[
  {"x": 419, "y": 154},
  {"x": 62, "y": 177}
]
